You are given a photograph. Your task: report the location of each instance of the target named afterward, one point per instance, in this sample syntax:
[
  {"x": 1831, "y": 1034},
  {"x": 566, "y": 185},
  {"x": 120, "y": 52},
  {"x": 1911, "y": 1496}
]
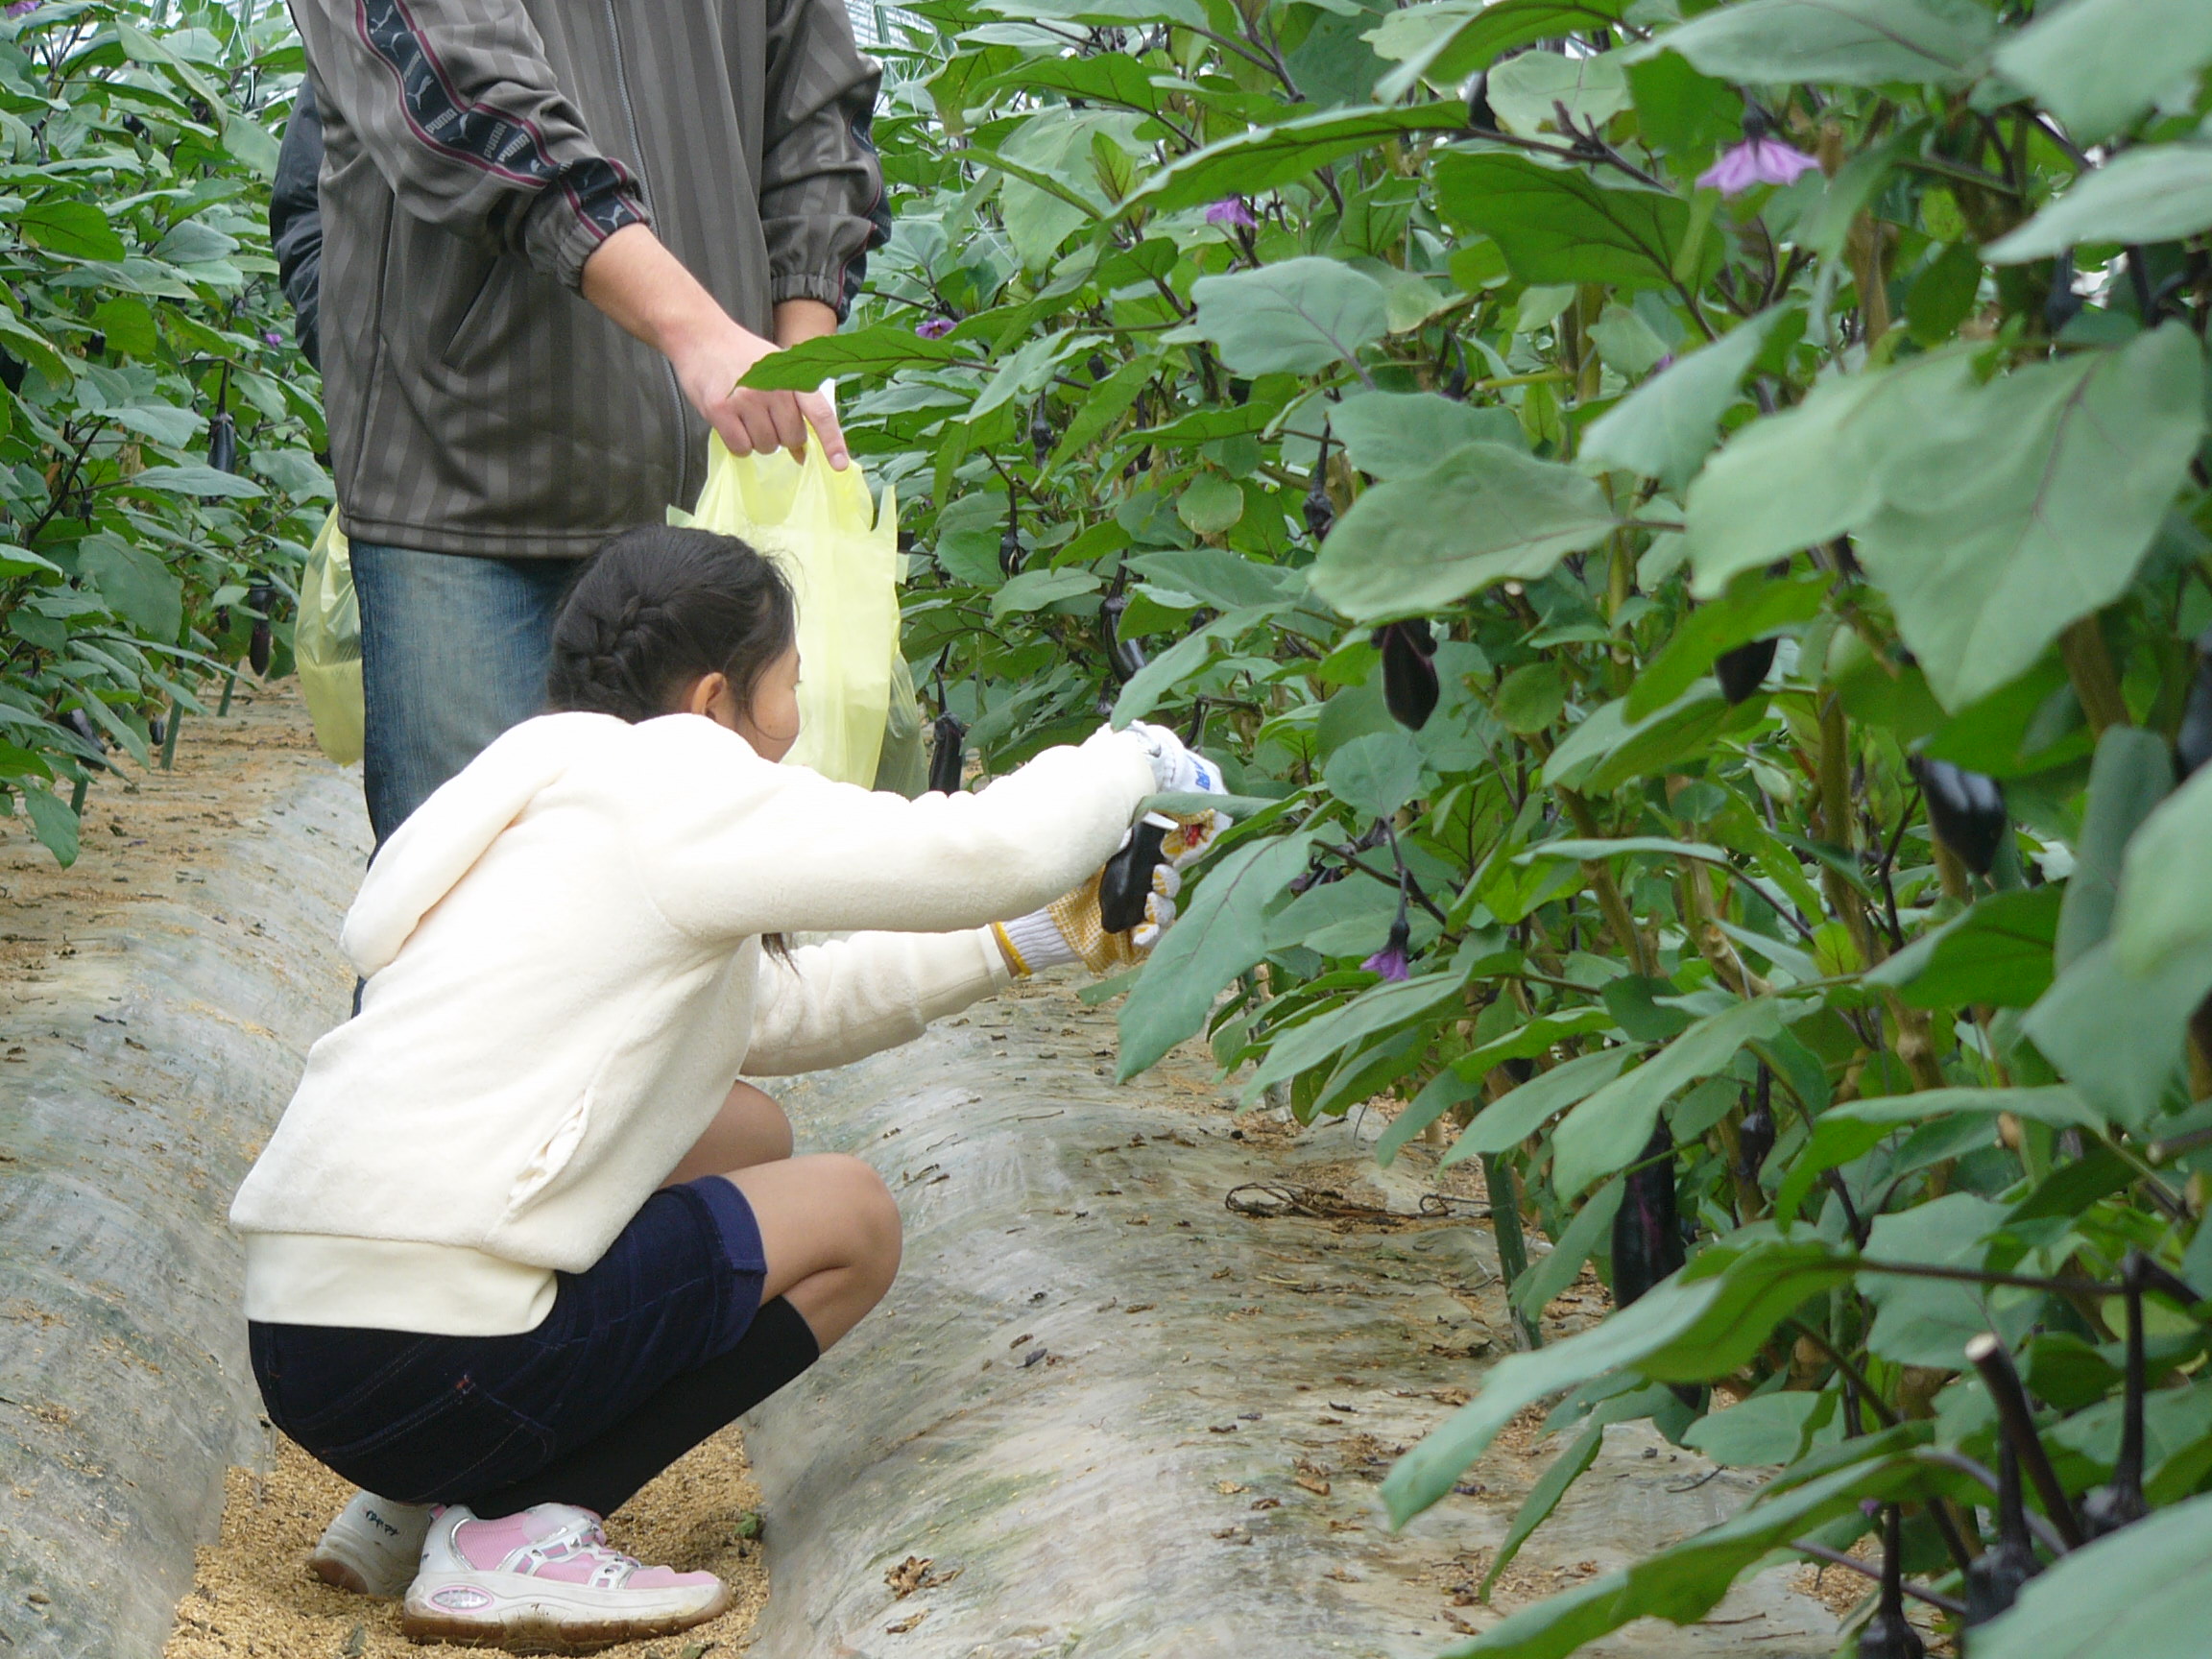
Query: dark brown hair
[{"x": 657, "y": 609}]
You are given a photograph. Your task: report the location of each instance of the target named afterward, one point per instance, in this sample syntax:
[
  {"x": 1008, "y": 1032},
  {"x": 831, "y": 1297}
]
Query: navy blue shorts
[{"x": 423, "y": 1419}]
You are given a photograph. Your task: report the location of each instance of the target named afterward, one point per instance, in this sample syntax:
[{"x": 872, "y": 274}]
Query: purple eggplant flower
[
  {"x": 934, "y": 329},
  {"x": 1231, "y": 213},
  {"x": 1390, "y": 961},
  {"x": 271, "y": 337},
  {"x": 1754, "y": 162},
  {"x": 22, "y": 7}
]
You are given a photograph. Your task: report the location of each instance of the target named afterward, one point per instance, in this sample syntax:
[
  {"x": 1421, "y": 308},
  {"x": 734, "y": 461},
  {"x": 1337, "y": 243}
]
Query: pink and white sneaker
[{"x": 544, "y": 1581}]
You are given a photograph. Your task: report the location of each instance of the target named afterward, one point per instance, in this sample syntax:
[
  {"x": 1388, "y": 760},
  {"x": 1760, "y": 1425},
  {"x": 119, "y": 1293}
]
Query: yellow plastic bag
[
  {"x": 326, "y": 644},
  {"x": 841, "y": 553}
]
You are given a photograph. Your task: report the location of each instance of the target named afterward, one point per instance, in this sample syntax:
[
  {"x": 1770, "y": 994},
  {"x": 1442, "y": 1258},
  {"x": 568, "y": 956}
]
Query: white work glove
[{"x": 1176, "y": 768}]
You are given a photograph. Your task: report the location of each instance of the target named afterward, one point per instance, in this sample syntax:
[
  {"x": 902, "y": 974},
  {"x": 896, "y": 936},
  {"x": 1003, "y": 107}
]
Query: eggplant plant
[
  {"x": 1721, "y": 487},
  {"x": 159, "y": 431}
]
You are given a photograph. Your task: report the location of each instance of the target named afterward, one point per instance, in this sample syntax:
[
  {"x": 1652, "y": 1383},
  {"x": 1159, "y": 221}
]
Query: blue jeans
[{"x": 454, "y": 650}]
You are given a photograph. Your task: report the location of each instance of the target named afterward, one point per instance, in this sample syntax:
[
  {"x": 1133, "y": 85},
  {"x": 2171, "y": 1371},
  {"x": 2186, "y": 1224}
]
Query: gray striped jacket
[{"x": 476, "y": 151}]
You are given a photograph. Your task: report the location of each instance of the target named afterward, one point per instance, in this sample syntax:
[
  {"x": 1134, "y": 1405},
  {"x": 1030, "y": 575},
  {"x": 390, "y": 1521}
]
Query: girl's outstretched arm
[
  {"x": 730, "y": 846},
  {"x": 841, "y": 1001}
]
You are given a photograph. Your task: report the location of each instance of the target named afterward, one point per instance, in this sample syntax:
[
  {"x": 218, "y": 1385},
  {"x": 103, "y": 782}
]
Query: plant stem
[{"x": 2089, "y": 666}]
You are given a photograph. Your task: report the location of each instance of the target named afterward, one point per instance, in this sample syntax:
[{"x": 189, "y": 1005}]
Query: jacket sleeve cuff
[
  {"x": 828, "y": 288},
  {"x": 578, "y": 212}
]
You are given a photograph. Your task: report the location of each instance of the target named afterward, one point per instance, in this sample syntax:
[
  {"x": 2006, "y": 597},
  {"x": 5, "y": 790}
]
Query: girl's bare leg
[
  {"x": 750, "y": 1130},
  {"x": 830, "y": 1230}
]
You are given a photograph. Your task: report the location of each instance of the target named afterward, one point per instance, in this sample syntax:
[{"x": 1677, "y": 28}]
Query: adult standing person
[{"x": 556, "y": 233}]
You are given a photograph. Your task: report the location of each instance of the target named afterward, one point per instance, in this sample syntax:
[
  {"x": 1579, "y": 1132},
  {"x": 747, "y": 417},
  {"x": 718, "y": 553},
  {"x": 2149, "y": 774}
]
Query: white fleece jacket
[{"x": 565, "y": 976}]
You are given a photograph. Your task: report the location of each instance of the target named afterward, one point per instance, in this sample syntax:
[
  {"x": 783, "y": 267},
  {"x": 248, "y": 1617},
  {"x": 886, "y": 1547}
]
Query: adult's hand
[{"x": 645, "y": 289}]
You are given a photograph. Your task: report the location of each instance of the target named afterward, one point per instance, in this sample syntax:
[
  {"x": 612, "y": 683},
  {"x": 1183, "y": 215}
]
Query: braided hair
[{"x": 657, "y": 607}]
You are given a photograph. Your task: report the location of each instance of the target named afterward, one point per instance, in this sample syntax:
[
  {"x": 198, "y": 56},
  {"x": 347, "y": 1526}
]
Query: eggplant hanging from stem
[
  {"x": 1994, "y": 1579},
  {"x": 1040, "y": 437},
  {"x": 2119, "y": 1503},
  {"x": 1320, "y": 511},
  {"x": 1126, "y": 656},
  {"x": 1889, "y": 1634},
  {"x": 2193, "y": 742},
  {"x": 1648, "y": 1227},
  {"x": 1743, "y": 670},
  {"x": 260, "y": 599},
  {"x": 1410, "y": 688},
  {"x": 946, "y": 758},
  {"x": 1755, "y": 1135},
  {"x": 1966, "y": 810}
]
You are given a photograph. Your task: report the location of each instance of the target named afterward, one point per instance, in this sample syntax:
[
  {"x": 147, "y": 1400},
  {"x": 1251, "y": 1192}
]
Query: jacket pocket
[
  {"x": 478, "y": 321},
  {"x": 553, "y": 1157}
]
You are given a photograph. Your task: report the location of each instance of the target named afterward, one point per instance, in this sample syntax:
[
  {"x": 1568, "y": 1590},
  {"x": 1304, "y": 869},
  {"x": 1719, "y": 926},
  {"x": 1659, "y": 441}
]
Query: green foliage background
[
  {"x": 137, "y": 302},
  {"x": 1264, "y": 323}
]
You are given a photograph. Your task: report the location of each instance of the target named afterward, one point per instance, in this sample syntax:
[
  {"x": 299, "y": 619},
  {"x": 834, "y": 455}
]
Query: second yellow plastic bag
[
  {"x": 841, "y": 553},
  {"x": 326, "y": 645}
]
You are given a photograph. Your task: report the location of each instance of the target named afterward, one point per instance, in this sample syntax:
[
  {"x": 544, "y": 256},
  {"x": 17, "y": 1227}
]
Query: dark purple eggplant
[
  {"x": 1755, "y": 1135},
  {"x": 81, "y": 723},
  {"x": 1409, "y": 684},
  {"x": 1994, "y": 1579},
  {"x": 1126, "y": 881},
  {"x": 1039, "y": 438},
  {"x": 1010, "y": 551},
  {"x": 2193, "y": 743},
  {"x": 1320, "y": 511},
  {"x": 1098, "y": 367},
  {"x": 96, "y": 343},
  {"x": 258, "y": 644},
  {"x": 1479, "y": 115},
  {"x": 223, "y": 443},
  {"x": 1743, "y": 670},
  {"x": 1646, "y": 1227},
  {"x": 1966, "y": 809},
  {"x": 2119, "y": 1502},
  {"x": 2061, "y": 303},
  {"x": 945, "y": 754},
  {"x": 1125, "y": 655},
  {"x": 11, "y": 372},
  {"x": 1889, "y": 1634}
]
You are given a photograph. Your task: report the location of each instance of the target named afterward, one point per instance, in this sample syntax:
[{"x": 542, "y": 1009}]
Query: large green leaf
[
  {"x": 57, "y": 827},
  {"x": 1484, "y": 513},
  {"x": 2159, "y": 193},
  {"x": 1526, "y": 90},
  {"x": 1266, "y": 157},
  {"x": 1742, "y": 516},
  {"x": 2115, "y": 1035},
  {"x": 1858, "y": 42},
  {"x": 1222, "y": 934},
  {"x": 2139, "y": 1594},
  {"x": 1389, "y": 434},
  {"x": 196, "y": 480},
  {"x": 1035, "y": 589},
  {"x": 874, "y": 351},
  {"x": 1299, "y": 316},
  {"x": 2166, "y": 880},
  {"x": 2015, "y": 508},
  {"x": 2133, "y": 771},
  {"x": 1557, "y": 224},
  {"x": 75, "y": 228},
  {"x": 1701, "y": 1322},
  {"x": 1667, "y": 426},
  {"x": 1585, "y": 1236},
  {"x": 1608, "y": 1130},
  {"x": 1446, "y": 42},
  {"x": 1382, "y": 1008},
  {"x": 137, "y": 587},
  {"x": 1513, "y": 1117},
  {"x": 1998, "y": 953},
  {"x": 2097, "y": 65},
  {"x": 1930, "y": 1321}
]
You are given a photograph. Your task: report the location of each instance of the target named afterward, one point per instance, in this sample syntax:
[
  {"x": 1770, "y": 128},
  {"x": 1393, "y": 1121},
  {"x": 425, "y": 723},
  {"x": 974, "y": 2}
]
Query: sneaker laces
[{"x": 578, "y": 1542}]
